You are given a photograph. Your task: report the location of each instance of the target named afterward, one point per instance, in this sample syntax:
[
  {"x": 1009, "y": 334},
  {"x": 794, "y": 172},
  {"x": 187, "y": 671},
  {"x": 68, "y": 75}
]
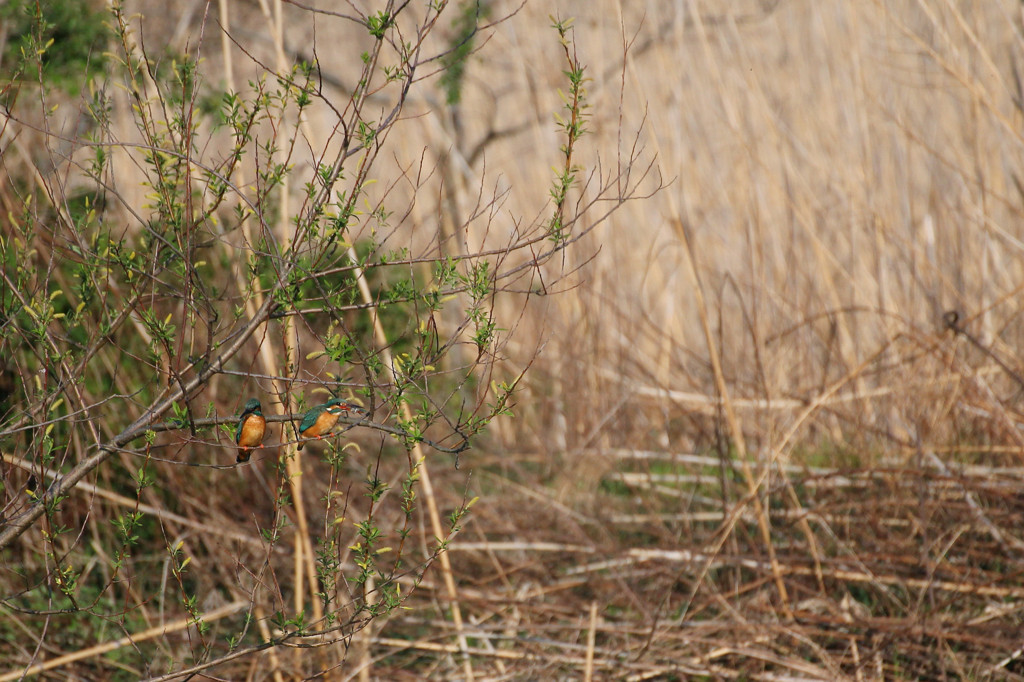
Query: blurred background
[{"x": 770, "y": 426}]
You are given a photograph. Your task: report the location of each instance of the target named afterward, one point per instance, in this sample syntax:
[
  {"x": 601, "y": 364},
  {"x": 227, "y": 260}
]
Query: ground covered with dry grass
[{"x": 771, "y": 426}]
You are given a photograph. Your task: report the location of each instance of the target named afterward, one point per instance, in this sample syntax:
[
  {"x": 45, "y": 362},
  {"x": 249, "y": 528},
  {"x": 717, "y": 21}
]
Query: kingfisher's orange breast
[{"x": 253, "y": 430}]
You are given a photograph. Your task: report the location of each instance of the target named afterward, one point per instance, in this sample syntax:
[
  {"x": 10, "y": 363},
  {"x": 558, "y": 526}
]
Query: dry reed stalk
[
  {"x": 362, "y": 641},
  {"x": 632, "y": 556},
  {"x": 608, "y": 660},
  {"x": 588, "y": 665},
  {"x": 710, "y": 404}
]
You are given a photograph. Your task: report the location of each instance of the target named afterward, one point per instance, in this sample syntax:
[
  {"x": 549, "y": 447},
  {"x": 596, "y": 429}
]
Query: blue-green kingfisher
[
  {"x": 251, "y": 428},
  {"x": 319, "y": 421}
]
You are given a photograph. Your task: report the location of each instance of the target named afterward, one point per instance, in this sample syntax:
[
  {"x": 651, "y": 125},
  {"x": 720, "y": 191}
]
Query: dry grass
[
  {"x": 844, "y": 173},
  {"x": 750, "y": 446}
]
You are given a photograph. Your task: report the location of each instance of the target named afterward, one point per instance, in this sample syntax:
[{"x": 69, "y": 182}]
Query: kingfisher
[
  {"x": 251, "y": 427},
  {"x": 319, "y": 421}
]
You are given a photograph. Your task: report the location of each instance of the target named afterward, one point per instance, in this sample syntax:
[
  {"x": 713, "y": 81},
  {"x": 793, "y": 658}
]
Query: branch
[
  {"x": 177, "y": 425},
  {"x": 19, "y": 524}
]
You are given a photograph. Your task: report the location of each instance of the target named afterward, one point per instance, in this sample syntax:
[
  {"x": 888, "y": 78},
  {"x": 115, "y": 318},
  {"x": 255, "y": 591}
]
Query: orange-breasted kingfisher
[
  {"x": 319, "y": 421},
  {"x": 251, "y": 428}
]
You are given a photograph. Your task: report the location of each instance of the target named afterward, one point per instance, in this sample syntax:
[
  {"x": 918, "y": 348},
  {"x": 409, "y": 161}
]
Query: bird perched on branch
[
  {"x": 251, "y": 428},
  {"x": 319, "y": 421}
]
